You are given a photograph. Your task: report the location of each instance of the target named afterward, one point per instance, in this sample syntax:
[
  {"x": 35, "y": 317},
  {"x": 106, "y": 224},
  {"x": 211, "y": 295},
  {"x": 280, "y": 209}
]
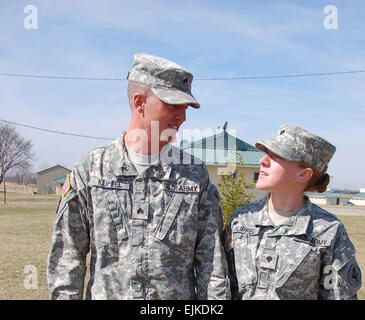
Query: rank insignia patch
[{"x": 66, "y": 186}]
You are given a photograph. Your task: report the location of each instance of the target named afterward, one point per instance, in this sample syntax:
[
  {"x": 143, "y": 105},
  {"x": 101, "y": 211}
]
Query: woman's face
[{"x": 277, "y": 175}]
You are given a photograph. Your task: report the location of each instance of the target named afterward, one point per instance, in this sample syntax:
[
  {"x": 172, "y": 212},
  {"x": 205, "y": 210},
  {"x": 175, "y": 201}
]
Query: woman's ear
[{"x": 304, "y": 174}]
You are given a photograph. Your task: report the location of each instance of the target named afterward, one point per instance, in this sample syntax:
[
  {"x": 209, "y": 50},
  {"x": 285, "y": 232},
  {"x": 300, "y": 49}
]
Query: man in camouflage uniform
[
  {"x": 153, "y": 228},
  {"x": 306, "y": 254}
]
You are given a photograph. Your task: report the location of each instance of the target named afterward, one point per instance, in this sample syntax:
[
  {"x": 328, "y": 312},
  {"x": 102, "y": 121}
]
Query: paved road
[{"x": 346, "y": 211}]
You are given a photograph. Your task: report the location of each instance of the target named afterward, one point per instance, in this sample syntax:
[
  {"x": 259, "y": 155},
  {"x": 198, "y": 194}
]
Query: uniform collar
[
  {"x": 301, "y": 220},
  {"x": 260, "y": 217},
  {"x": 124, "y": 167},
  {"x": 295, "y": 225}
]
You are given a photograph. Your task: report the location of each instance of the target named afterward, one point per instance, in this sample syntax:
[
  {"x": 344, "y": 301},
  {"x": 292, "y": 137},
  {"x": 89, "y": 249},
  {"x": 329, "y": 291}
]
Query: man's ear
[
  {"x": 139, "y": 101},
  {"x": 304, "y": 174}
]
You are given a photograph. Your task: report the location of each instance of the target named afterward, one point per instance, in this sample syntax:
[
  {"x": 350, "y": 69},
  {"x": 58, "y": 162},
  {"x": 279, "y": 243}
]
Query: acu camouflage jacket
[
  {"x": 156, "y": 235},
  {"x": 308, "y": 257}
]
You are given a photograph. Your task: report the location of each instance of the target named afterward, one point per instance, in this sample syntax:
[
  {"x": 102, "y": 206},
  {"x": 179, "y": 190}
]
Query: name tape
[{"x": 113, "y": 184}]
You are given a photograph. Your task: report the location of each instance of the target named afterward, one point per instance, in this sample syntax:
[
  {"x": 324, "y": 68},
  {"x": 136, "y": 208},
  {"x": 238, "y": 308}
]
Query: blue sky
[{"x": 212, "y": 39}]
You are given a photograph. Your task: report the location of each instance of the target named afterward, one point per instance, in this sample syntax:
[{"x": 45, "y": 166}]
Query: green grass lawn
[{"x": 26, "y": 224}]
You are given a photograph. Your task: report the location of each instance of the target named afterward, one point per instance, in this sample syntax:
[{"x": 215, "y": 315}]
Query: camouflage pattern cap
[
  {"x": 296, "y": 144},
  {"x": 170, "y": 82}
]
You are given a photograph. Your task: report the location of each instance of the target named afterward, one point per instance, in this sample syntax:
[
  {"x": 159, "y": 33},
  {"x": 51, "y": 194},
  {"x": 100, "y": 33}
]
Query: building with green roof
[
  {"x": 330, "y": 197},
  {"x": 337, "y": 197},
  {"x": 359, "y": 198},
  {"x": 59, "y": 183},
  {"x": 225, "y": 154}
]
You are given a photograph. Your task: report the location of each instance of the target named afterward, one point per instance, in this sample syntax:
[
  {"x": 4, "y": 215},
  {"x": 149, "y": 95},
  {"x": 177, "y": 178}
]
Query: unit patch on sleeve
[
  {"x": 66, "y": 186},
  {"x": 354, "y": 275},
  {"x": 226, "y": 237}
]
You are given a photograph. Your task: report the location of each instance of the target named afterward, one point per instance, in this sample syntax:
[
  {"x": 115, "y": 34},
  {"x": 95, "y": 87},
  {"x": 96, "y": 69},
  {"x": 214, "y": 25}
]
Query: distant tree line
[{"x": 23, "y": 177}]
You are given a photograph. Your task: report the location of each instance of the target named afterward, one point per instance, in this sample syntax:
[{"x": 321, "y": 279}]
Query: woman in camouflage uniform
[{"x": 283, "y": 246}]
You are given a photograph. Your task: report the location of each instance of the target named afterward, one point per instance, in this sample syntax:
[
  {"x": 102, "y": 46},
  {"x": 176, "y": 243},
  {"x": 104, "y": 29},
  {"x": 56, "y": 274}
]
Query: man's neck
[{"x": 140, "y": 142}]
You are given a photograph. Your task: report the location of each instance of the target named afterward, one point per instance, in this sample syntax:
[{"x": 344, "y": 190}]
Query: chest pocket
[
  {"x": 109, "y": 215},
  {"x": 179, "y": 223},
  {"x": 110, "y": 229},
  {"x": 119, "y": 216},
  {"x": 244, "y": 251}
]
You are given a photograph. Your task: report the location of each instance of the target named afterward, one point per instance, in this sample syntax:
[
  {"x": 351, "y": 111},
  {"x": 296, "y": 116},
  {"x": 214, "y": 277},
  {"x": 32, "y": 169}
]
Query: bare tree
[
  {"x": 15, "y": 152},
  {"x": 22, "y": 176}
]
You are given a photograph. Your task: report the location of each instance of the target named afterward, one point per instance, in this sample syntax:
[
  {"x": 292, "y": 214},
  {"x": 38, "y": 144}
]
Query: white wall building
[{"x": 359, "y": 198}]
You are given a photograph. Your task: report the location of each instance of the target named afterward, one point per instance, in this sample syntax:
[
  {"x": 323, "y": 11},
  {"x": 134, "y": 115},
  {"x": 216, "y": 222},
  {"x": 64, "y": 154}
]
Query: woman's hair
[{"x": 319, "y": 180}]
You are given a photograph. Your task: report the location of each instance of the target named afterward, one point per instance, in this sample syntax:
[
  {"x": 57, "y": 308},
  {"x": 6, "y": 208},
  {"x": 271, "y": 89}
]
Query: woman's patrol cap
[
  {"x": 170, "y": 82},
  {"x": 296, "y": 144}
]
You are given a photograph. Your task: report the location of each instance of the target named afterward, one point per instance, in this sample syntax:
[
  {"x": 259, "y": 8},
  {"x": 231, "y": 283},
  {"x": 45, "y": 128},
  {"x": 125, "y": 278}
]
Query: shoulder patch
[
  {"x": 354, "y": 275},
  {"x": 66, "y": 186},
  {"x": 226, "y": 236}
]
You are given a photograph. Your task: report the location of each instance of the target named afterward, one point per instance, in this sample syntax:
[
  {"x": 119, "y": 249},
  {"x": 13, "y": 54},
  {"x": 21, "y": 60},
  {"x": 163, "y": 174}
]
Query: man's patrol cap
[
  {"x": 296, "y": 144},
  {"x": 170, "y": 82}
]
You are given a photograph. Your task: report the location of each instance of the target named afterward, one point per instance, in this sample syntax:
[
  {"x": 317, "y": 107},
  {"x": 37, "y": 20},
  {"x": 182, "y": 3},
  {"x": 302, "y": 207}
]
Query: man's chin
[{"x": 168, "y": 135}]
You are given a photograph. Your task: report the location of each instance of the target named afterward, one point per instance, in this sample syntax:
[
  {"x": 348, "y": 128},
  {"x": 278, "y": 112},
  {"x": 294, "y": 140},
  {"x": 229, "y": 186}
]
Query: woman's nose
[{"x": 265, "y": 160}]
